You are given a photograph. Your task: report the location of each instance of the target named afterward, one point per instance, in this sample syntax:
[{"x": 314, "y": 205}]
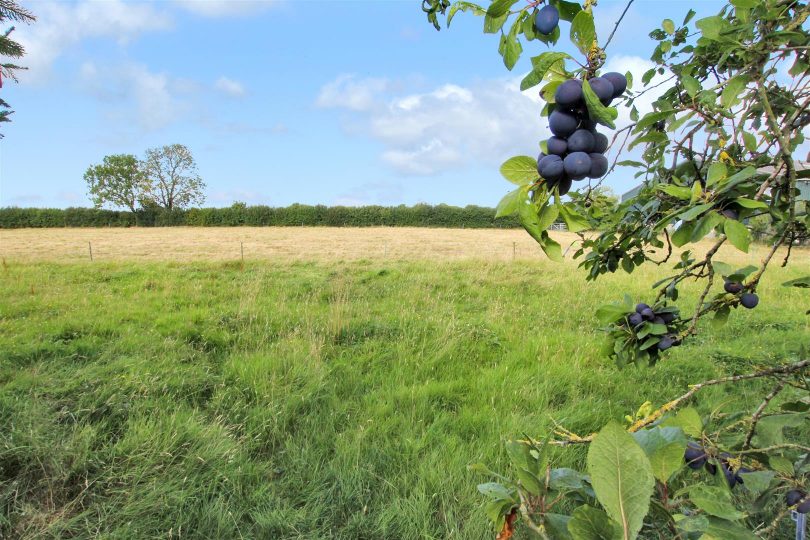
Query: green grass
[{"x": 304, "y": 400}]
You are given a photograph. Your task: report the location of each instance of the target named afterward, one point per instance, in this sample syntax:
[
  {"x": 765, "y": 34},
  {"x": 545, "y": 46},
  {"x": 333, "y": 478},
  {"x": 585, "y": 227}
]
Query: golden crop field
[{"x": 286, "y": 243}]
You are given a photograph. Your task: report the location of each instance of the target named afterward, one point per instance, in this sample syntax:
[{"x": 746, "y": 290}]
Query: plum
[
  {"x": 562, "y": 124},
  {"x": 577, "y": 165},
  {"x": 599, "y": 165},
  {"x": 557, "y": 146},
  {"x": 581, "y": 141},
  {"x": 546, "y": 20},
  {"x": 569, "y": 93},
  {"x": 647, "y": 314},
  {"x": 667, "y": 317},
  {"x": 635, "y": 319},
  {"x": 730, "y": 213},
  {"x": 618, "y": 81},
  {"x": 711, "y": 468},
  {"x": 602, "y": 88},
  {"x": 694, "y": 455},
  {"x": 564, "y": 185},
  {"x": 641, "y": 307},
  {"x": 804, "y": 507},
  {"x": 551, "y": 167},
  {"x": 600, "y": 142},
  {"x": 665, "y": 343},
  {"x": 794, "y": 497},
  {"x": 733, "y": 287},
  {"x": 749, "y": 300}
]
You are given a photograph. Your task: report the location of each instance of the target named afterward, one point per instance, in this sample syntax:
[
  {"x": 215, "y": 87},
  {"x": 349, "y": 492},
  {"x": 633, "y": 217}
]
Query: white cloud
[
  {"x": 637, "y": 66},
  {"x": 62, "y": 25},
  {"x": 449, "y": 127},
  {"x": 230, "y": 87},
  {"x": 225, "y": 8},
  {"x": 348, "y": 92},
  {"x": 137, "y": 96}
]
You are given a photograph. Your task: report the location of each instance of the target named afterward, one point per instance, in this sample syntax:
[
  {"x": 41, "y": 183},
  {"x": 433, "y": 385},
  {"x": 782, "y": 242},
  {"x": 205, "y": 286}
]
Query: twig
[
  {"x": 616, "y": 26},
  {"x": 758, "y": 413}
]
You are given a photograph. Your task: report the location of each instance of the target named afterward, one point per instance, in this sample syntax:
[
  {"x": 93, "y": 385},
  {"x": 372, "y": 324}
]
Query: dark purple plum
[
  {"x": 618, "y": 81},
  {"x": 694, "y": 455},
  {"x": 658, "y": 320},
  {"x": 551, "y": 167},
  {"x": 804, "y": 507},
  {"x": 546, "y": 19},
  {"x": 730, "y": 213},
  {"x": 564, "y": 186},
  {"x": 581, "y": 141},
  {"x": 647, "y": 314},
  {"x": 600, "y": 142},
  {"x": 557, "y": 145},
  {"x": 641, "y": 307},
  {"x": 665, "y": 343},
  {"x": 794, "y": 497},
  {"x": 599, "y": 165},
  {"x": 562, "y": 124},
  {"x": 668, "y": 317},
  {"x": 577, "y": 165},
  {"x": 733, "y": 287},
  {"x": 569, "y": 93},
  {"x": 635, "y": 319},
  {"x": 749, "y": 300},
  {"x": 602, "y": 88},
  {"x": 711, "y": 468}
]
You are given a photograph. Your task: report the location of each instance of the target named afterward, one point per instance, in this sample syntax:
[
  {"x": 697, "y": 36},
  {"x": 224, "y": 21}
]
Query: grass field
[{"x": 150, "y": 394}]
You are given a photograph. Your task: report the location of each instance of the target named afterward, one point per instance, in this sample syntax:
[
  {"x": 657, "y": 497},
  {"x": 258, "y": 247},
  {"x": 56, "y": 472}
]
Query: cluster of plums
[
  {"x": 645, "y": 313},
  {"x": 577, "y": 151},
  {"x": 798, "y": 498},
  {"x": 546, "y": 19},
  {"x": 697, "y": 457},
  {"x": 748, "y": 300}
]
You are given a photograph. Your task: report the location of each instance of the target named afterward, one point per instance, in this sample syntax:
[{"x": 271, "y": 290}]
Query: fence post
[
  {"x": 242, "y": 250},
  {"x": 514, "y": 250},
  {"x": 90, "y": 247}
]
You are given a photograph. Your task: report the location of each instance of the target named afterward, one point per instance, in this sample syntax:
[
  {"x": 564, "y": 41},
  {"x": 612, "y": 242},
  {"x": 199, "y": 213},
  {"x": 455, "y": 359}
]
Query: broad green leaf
[
  {"x": 568, "y": 10},
  {"x": 589, "y": 523},
  {"x": 681, "y": 192},
  {"x": 688, "y": 420},
  {"x": 681, "y": 236},
  {"x": 732, "y": 89},
  {"x": 520, "y": 170},
  {"x": 770, "y": 429},
  {"x": 664, "y": 447},
  {"x": 750, "y": 203},
  {"x": 694, "y": 212},
  {"x": 529, "y": 481},
  {"x": 711, "y": 27},
  {"x": 463, "y": 6},
  {"x": 757, "y": 481},
  {"x": 543, "y": 62},
  {"x": 557, "y": 526},
  {"x": 563, "y": 479},
  {"x": 512, "y": 51},
  {"x": 717, "y": 172},
  {"x": 510, "y": 202},
  {"x": 496, "y": 491},
  {"x": 493, "y": 24},
  {"x": 500, "y": 7},
  {"x": 721, "y": 529},
  {"x": 690, "y": 84},
  {"x": 697, "y": 191},
  {"x": 611, "y": 313},
  {"x": 692, "y": 524},
  {"x": 750, "y": 141},
  {"x": 622, "y": 478},
  {"x": 705, "y": 225},
  {"x": 533, "y": 78},
  {"x": 651, "y": 118},
  {"x": 738, "y": 178},
  {"x": 669, "y": 26},
  {"x": 574, "y": 221},
  {"x": 547, "y": 215},
  {"x": 715, "y": 501},
  {"x": 583, "y": 31},
  {"x": 551, "y": 248},
  {"x": 737, "y": 234},
  {"x": 801, "y": 282},
  {"x": 596, "y": 110}
]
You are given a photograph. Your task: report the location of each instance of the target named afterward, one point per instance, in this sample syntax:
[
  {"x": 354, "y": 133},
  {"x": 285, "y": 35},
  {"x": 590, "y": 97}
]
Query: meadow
[{"x": 334, "y": 384}]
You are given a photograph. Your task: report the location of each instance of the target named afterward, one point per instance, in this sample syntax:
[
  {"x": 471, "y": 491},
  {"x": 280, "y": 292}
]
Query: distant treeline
[{"x": 420, "y": 215}]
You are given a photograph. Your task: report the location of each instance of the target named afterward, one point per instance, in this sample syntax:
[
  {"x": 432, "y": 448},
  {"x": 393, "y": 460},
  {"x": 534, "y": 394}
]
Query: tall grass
[{"x": 315, "y": 400}]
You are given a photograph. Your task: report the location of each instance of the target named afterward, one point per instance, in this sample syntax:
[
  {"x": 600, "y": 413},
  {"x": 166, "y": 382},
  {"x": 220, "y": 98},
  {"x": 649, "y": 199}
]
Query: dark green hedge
[{"x": 421, "y": 215}]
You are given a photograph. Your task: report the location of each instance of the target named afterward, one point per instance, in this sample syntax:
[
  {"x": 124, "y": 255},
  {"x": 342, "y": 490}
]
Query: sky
[{"x": 284, "y": 101}]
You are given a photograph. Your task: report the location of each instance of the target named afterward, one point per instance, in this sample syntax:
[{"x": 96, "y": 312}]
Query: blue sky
[{"x": 335, "y": 102}]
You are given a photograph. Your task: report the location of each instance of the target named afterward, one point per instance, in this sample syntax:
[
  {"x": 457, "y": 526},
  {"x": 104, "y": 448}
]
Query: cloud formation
[
  {"x": 449, "y": 127},
  {"x": 229, "y": 87},
  {"x": 224, "y": 8}
]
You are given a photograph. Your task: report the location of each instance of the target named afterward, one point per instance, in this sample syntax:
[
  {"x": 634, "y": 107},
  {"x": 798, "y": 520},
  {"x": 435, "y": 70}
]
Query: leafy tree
[
  {"x": 716, "y": 152},
  {"x": 13, "y": 12},
  {"x": 173, "y": 179},
  {"x": 118, "y": 181}
]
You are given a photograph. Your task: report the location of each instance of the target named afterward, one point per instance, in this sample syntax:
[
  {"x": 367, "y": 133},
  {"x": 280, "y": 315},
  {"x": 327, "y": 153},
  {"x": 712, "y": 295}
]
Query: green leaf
[
  {"x": 568, "y": 10},
  {"x": 715, "y": 501},
  {"x": 589, "y": 523},
  {"x": 493, "y": 24},
  {"x": 696, "y": 192},
  {"x": 583, "y": 31},
  {"x": 463, "y": 6},
  {"x": 664, "y": 447},
  {"x": 694, "y": 212},
  {"x": 681, "y": 192},
  {"x": 770, "y": 429},
  {"x": 737, "y": 234},
  {"x": 651, "y": 118},
  {"x": 738, "y": 178},
  {"x": 551, "y": 248},
  {"x": 597, "y": 111},
  {"x": 499, "y": 8},
  {"x": 520, "y": 170},
  {"x": 732, "y": 89},
  {"x": 533, "y": 78},
  {"x": 622, "y": 478},
  {"x": 750, "y": 141},
  {"x": 563, "y": 479},
  {"x": 544, "y": 62},
  {"x": 681, "y": 236},
  {"x": 611, "y": 313},
  {"x": 669, "y": 26},
  {"x": 547, "y": 215},
  {"x": 496, "y": 491},
  {"x": 510, "y": 202},
  {"x": 750, "y": 203},
  {"x": 574, "y": 221},
  {"x": 690, "y": 84},
  {"x": 801, "y": 282},
  {"x": 688, "y": 420},
  {"x": 757, "y": 481},
  {"x": 711, "y": 27},
  {"x": 721, "y": 529},
  {"x": 512, "y": 51},
  {"x": 705, "y": 225},
  {"x": 717, "y": 172},
  {"x": 557, "y": 526}
]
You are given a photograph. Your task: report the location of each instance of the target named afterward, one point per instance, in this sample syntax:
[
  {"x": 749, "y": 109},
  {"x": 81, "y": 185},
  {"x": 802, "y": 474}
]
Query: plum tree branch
[{"x": 618, "y": 22}]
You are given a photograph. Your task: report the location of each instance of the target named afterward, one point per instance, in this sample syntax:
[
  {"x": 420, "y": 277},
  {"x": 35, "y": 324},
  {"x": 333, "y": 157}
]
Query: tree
[
  {"x": 118, "y": 181},
  {"x": 10, "y": 11},
  {"x": 716, "y": 152},
  {"x": 173, "y": 179}
]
